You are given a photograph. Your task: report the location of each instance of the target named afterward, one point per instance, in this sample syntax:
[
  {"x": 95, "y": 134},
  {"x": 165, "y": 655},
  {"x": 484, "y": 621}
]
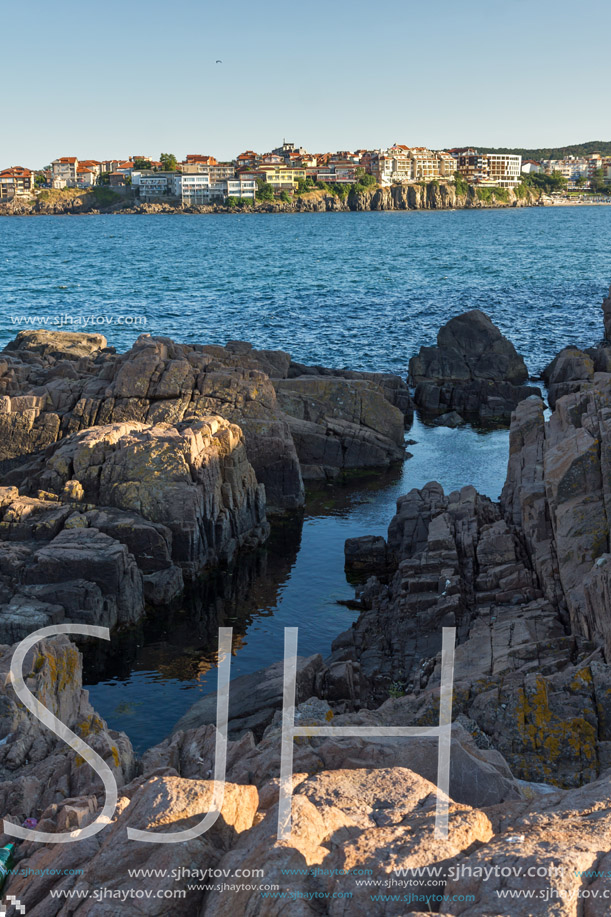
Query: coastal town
[{"x": 289, "y": 170}]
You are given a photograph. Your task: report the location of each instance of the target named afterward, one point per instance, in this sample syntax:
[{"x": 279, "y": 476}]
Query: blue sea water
[{"x": 363, "y": 290}]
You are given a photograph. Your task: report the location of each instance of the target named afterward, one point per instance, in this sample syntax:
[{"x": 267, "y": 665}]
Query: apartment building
[
  {"x": 503, "y": 170},
  {"x": 64, "y": 172},
  {"x": 401, "y": 163},
  {"x": 15, "y": 182},
  {"x": 191, "y": 188},
  {"x": 197, "y": 162}
]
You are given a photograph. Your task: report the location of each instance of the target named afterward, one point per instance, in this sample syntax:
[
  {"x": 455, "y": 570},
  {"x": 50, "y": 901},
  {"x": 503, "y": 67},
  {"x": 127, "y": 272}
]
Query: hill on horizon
[{"x": 576, "y": 149}]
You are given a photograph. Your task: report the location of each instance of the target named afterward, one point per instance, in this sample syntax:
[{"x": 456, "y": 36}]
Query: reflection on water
[{"x": 151, "y": 676}]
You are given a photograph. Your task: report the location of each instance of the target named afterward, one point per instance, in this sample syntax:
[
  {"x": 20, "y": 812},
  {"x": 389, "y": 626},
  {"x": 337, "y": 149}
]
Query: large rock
[
  {"x": 54, "y": 387},
  {"x": 339, "y": 424},
  {"x": 346, "y": 824},
  {"x": 56, "y": 566},
  {"x": 474, "y": 371},
  {"x": 394, "y": 387},
  {"x": 193, "y": 478},
  {"x": 59, "y": 345},
  {"x": 49, "y": 394},
  {"x": 558, "y": 490}
]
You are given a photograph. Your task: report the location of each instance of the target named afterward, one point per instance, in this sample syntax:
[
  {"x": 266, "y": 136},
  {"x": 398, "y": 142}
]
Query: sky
[{"x": 114, "y": 80}]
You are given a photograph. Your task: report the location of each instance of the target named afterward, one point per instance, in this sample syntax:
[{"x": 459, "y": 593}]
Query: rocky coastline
[
  {"x": 432, "y": 196},
  {"x": 124, "y": 477}
]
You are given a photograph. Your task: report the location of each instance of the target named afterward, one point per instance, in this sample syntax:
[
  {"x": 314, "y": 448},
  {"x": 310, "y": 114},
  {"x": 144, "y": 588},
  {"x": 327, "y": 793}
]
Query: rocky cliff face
[{"x": 432, "y": 196}]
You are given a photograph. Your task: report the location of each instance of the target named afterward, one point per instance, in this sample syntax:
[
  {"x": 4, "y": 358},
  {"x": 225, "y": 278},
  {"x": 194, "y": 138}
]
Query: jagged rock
[
  {"x": 558, "y": 488},
  {"x": 552, "y": 850},
  {"x": 452, "y": 419},
  {"x": 366, "y": 556},
  {"x": 36, "y": 768},
  {"x": 193, "y": 480},
  {"x": 473, "y": 371},
  {"x": 606, "y": 307}
]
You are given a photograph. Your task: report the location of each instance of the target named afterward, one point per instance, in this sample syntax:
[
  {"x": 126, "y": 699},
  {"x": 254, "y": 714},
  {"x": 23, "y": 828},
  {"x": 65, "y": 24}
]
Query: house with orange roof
[
  {"x": 197, "y": 163},
  {"x": 85, "y": 177},
  {"x": 248, "y": 158},
  {"x": 15, "y": 182}
]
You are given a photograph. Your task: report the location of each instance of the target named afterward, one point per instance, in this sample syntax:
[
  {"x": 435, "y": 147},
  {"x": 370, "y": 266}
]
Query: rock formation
[
  {"x": 91, "y": 525},
  {"x": 473, "y": 371}
]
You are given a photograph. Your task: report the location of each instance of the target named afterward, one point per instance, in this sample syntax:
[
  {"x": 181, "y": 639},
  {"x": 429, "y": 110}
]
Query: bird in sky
[{"x": 219, "y": 61}]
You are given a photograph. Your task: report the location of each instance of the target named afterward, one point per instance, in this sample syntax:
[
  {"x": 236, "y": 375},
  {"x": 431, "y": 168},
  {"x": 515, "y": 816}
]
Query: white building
[
  {"x": 192, "y": 188},
  {"x": 64, "y": 172},
  {"x": 504, "y": 169}
]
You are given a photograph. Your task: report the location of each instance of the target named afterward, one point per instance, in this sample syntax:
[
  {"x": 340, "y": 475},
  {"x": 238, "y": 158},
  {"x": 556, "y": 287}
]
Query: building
[
  {"x": 281, "y": 177},
  {"x": 504, "y": 169},
  {"x": 85, "y": 178},
  {"x": 335, "y": 172},
  {"x": 530, "y": 166},
  {"x": 196, "y": 162},
  {"x": 246, "y": 159},
  {"x": 64, "y": 171},
  {"x": 289, "y": 152},
  {"x": 501, "y": 170},
  {"x": 400, "y": 164},
  {"x": 93, "y": 165},
  {"x": 16, "y": 182},
  {"x": 191, "y": 188},
  {"x": 149, "y": 183}
]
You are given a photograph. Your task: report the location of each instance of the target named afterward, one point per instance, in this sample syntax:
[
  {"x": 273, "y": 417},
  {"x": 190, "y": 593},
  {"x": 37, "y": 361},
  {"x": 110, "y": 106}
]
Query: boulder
[{"x": 473, "y": 371}]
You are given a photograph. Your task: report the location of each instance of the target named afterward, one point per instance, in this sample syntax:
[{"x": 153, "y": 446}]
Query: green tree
[
  {"x": 597, "y": 182},
  {"x": 555, "y": 181},
  {"x": 168, "y": 162},
  {"x": 143, "y": 164},
  {"x": 265, "y": 191}
]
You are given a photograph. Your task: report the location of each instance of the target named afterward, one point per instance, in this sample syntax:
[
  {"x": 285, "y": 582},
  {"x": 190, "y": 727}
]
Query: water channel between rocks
[{"x": 149, "y": 677}]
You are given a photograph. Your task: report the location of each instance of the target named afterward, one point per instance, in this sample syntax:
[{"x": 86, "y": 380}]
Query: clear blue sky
[{"x": 116, "y": 79}]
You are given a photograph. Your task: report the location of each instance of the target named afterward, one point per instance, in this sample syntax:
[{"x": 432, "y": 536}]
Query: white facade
[
  {"x": 504, "y": 169},
  {"x": 192, "y": 188}
]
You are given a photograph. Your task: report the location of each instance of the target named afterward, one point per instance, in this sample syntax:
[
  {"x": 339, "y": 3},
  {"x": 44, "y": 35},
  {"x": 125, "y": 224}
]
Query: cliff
[{"x": 432, "y": 196}]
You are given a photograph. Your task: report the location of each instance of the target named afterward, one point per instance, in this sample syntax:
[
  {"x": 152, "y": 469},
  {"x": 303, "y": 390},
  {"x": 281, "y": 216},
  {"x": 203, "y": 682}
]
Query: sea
[{"x": 357, "y": 290}]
